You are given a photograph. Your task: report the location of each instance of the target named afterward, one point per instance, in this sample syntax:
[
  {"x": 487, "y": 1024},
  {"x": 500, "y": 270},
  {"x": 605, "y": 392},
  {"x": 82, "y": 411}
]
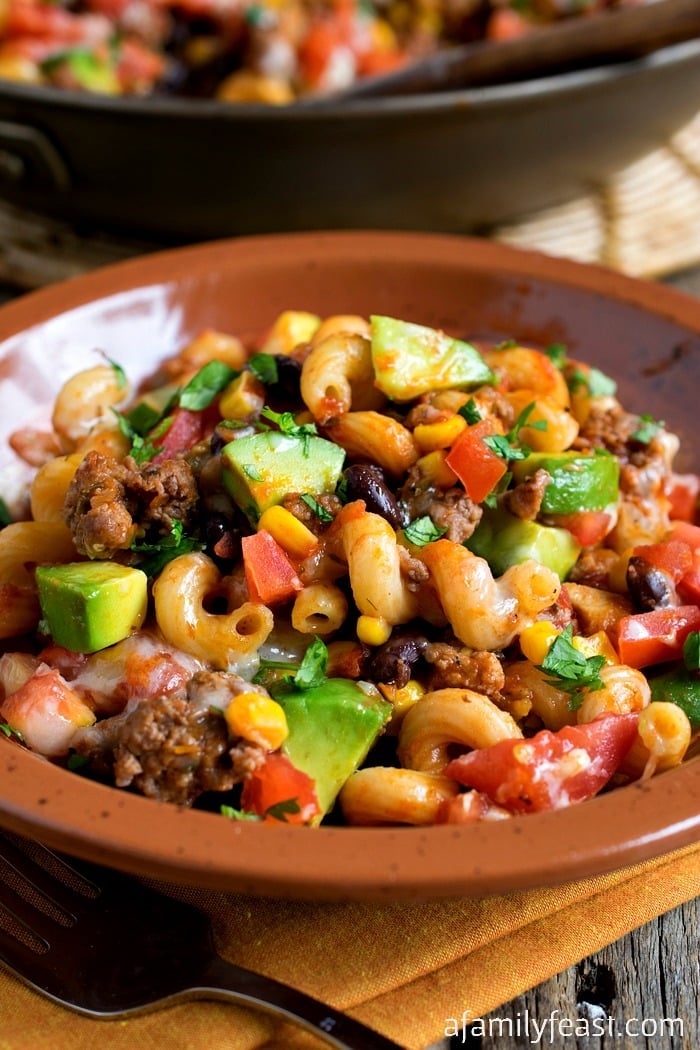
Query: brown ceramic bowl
[{"x": 646, "y": 335}]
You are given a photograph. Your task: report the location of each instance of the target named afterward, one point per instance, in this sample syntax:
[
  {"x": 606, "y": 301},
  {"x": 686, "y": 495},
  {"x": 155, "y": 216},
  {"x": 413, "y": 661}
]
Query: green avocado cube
[
  {"x": 410, "y": 359},
  {"x": 261, "y": 469},
  {"x": 90, "y": 605},
  {"x": 579, "y": 481},
  {"x": 504, "y": 540},
  {"x": 332, "y": 726}
]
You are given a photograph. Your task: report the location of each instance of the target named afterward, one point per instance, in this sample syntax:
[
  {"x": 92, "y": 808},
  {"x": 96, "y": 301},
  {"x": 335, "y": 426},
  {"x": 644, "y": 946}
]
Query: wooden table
[{"x": 653, "y": 973}]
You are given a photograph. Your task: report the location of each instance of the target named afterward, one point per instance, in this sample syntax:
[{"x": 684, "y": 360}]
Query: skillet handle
[{"x": 29, "y": 160}]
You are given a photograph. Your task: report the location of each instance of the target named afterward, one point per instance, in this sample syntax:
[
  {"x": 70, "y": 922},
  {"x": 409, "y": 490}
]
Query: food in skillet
[
  {"x": 269, "y": 51},
  {"x": 360, "y": 571}
]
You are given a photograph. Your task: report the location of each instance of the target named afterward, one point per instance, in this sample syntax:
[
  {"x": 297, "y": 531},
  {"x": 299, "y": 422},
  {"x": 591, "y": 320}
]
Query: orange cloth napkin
[{"x": 404, "y": 969}]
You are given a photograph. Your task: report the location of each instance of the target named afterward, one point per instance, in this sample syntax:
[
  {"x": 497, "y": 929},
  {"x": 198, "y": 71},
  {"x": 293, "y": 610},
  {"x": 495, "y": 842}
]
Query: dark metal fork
[{"x": 103, "y": 944}]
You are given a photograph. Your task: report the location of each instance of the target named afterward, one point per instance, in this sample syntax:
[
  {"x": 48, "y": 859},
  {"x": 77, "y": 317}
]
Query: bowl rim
[
  {"x": 620, "y": 828},
  {"x": 519, "y": 93}
]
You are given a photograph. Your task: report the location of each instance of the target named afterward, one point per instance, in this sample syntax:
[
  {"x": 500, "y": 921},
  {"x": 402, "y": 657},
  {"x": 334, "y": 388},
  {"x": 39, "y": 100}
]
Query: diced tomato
[
  {"x": 673, "y": 557},
  {"x": 588, "y": 527},
  {"x": 475, "y": 464},
  {"x": 68, "y": 663},
  {"x": 278, "y": 781},
  {"x": 549, "y": 770},
  {"x": 505, "y": 23},
  {"x": 326, "y": 38},
  {"x": 46, "y": 712},
  {"x": 379, "y": 60},
  {"x": 269, "y": 573},
  {"x": 138, "y": 67},
  {"x": 655, "y": 637},
  {"x": 186, "y": 429},
  {"x": 682, "y": 493},
  {"x": 686, "y": 533}
]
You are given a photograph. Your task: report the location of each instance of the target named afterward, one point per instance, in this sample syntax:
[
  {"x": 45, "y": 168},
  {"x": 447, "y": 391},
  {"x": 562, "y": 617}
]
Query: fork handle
[{"x": 225, "y": 981}]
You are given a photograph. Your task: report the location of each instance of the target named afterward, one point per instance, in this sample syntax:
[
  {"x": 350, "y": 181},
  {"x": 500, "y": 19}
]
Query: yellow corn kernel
[
  {"x": 291, "y": 534},
  {"x": 536, "y": 640},
  {"x": 435, "y": 470},
  {"x": 257, "y": 718},
  {"x": 243, "y": 398},
  {"x": 291, "y": 328},
  {"x": 248, "y": 86},
  {"x": 432, "y": 436},
  {"x": 617, "y": 575},
  {"x": 373, "y": 630},
  {"x": 597, "y": 644},
  {"x": 402, "y": 699}
]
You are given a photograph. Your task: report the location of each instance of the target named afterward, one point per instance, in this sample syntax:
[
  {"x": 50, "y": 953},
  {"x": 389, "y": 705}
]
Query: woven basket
[{"x": 645, "y": 222}]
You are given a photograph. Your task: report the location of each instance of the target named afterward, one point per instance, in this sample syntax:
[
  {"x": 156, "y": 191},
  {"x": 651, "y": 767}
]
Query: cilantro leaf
[
  {"x": 280, "y": 809},
  {"x": 556, "y": 353},
  {"x": 691, "y": 651},
  {"x": 509, "y": 446},
  {"x": 264, "y": 367},
  {"x": 289, "y": 426},
  {"x": 119, "y": 373},
  {"x": 312, "y": 669},
  {"x": 10, "y": 732},
  {"x": 597, "y": 383},
  {"x": 206, "y": 385},
  {"x": 5, "y": 516},
  {"x": 237, "y": 814},
  {"x": 470, "y": 412},
  {"x": 165, "y": 549},
  {"x": 422, "y": 531},
  {"x": 572, "y": 671},
  {"x": 647, "y": 429},
  {"x": 313, "y": 505}
]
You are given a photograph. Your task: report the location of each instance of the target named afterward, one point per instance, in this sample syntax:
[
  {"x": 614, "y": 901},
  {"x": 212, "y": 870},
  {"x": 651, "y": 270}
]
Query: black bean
[
  {"x": 649, "y": 587},
  {"x": 393, "y": 663},
  {"x": 366, "y": 481}
]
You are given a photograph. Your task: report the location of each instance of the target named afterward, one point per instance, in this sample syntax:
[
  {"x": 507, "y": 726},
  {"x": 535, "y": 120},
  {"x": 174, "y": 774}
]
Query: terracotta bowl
[{"x": 645, "y": 335}]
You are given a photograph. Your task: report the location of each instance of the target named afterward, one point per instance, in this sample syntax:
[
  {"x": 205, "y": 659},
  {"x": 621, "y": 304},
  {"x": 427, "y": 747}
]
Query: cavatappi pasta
[{"x": 361, "y": 571}]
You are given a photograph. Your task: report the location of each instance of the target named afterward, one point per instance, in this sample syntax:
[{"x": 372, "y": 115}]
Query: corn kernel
[
  {"x": 432, "y": 436},
  {"x": 597, "y": 644},
  {"x": 535, "y": 640},
  {"x": 373, "y": 630},
  {"x": 435, "y": 470},
  {"x": 402, "y": 699},
  {"x": 291, "y": 534},
  {"x": 243, "y": 398},
  {"x": 289, "y": 330},
  {"x": 257, "y": 718}
]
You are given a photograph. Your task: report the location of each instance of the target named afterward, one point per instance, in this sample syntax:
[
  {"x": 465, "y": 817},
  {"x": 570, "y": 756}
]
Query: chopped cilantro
[
  {"x": 237, "y": 814},
  {"x": 165, "y": 549},
  {"x": 313, "y": 505},
  {"x": 597, "y": 383},
  {"x": 5, "y": 516},
  {"x": 206, "y": 385},
  {"x": 10, "y": 732},
  {"x": 143, "y": 449},
  {"x": 648, "y": 428},
  {"x": 509, "y": 446},
  {"x": 119, "y": 373},
  {"x": 278, "y": 811},
  {"x": 76, "y": 762},
  {"x": 470, "y": 412},
  {"x": 251, "y": 472},
  {"x": 311, "y": 672},
  {"x": 572, "y": 671},
  {"x": 264, "y": 367},
  {"x": 289, "y": 426},
  {"x": 556, "y": 352},
  {"x": 422, "y": 531},
  {"x": 691, "y": 651}
]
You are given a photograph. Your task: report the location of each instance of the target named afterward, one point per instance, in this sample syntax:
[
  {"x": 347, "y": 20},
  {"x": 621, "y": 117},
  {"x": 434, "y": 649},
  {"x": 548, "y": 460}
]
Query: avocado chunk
[
  {"x": 504, "y": 540},
  {"x": 578, "y": 481},
  {"x": 261, "y": 469},
  {"x": 90, "y": 605},
  {"x": 411, "y": 359},
  {"x": 332, "y": 726}
]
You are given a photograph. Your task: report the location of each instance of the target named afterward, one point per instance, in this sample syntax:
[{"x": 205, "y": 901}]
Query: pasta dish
[
  {"x": 264, "y": 51},
  {"x": 357, "y": 571}
]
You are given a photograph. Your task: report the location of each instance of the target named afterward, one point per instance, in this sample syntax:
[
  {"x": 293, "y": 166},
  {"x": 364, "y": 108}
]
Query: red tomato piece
[
  {"x": 655, "y": 637},
  {"x": 270, "y": 575},
  {"x": 688, "y": 588},
  {"x": 673, "y": 557},
  {"x": 475, "y": 464},
  {"x": 588, "y": 527},
  {"x": 682, "y": 493},
  {"x": 549, "y": 770},
  {"x": 277, "y": 781},
  {"x": 186, "y": 429},
  {"x": 686, "y": 533},
  {"x": 46, "y": 712}
]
